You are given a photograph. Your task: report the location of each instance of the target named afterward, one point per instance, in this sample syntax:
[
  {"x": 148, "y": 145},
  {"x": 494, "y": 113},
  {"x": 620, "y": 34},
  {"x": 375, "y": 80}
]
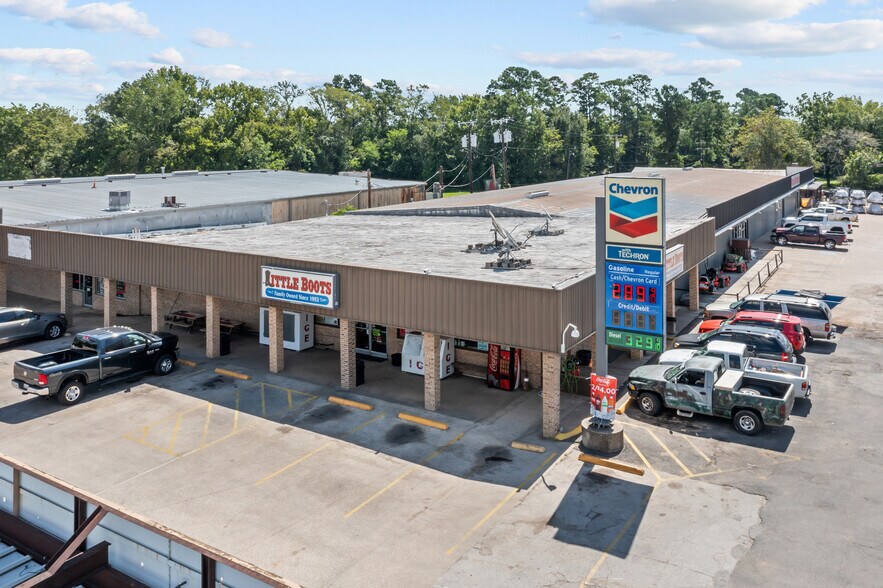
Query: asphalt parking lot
[{"x": 269, "y": 471}]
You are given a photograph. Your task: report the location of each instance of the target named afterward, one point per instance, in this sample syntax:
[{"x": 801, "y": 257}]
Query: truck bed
[
  {"x": 769, "y": 366},
  {"x": 56, "y": 358}
]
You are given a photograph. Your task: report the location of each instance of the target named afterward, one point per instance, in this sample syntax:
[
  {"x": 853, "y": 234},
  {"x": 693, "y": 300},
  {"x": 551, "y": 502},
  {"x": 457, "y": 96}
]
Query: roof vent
[
  {"x": 688, "y": 168},
  {"x": 42, "y": 181},
  {"x": 121, "y": 177},
  {"x": 655, "y": 174},
  {"x": 537, "y": 194},
  {"x": 188, "y": 172},
  {"x": 119, "y": 200}
]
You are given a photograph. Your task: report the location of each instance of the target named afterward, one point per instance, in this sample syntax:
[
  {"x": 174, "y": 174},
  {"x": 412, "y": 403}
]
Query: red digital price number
[{"x": 633, "y": 293}]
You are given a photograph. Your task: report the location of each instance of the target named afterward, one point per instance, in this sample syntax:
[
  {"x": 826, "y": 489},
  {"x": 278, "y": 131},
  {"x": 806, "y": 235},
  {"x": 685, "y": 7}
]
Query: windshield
[
  {"x": 86, "y": 344},
  {"x": 704, "y": 336},
  {"x": 672, "y": 373}
]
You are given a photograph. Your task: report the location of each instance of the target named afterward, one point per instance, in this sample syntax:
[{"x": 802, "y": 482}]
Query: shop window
[
  {"x": 471, "y": 345},
  {"x": 99, "y": 288},
  {"x": 77, "y": 281},
  {"x": 331, "y": 321},
  {"x": 740, "y": 231},
  {"x": 121, "y": 290}
]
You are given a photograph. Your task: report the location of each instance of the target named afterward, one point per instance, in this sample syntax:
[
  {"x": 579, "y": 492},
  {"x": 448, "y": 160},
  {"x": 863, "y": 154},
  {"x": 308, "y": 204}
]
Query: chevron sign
[{"x": 634, "y": 210}]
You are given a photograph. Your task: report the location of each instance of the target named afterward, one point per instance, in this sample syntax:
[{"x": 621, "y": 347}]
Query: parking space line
[
  {"x": 365, "y": 424},
  {"x": 500, "y": 504},
  {"x": 696, "y": 449},
  {"x": 641, "y": 455},
  {"x": 208, "y": 419},
  {"x": 292, "y": 464},
  {"x": 403, "y": 476},
  {"x": 615, "y": 541},
  {"x": 174, "y": 434},
  {"x": 670, "y": 454}
]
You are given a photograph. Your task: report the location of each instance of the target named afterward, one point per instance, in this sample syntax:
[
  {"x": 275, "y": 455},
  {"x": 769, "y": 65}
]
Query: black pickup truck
[{"x": 99, "y": 355}]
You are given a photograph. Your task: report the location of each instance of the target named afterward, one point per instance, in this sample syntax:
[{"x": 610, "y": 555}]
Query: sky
[{"x": 66, "y": 52}]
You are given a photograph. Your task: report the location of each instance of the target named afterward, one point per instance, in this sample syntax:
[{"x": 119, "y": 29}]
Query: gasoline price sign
[{"x": 635, "y": 316}]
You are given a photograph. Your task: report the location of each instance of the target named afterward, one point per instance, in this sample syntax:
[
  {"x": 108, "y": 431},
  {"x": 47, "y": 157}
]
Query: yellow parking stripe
[
  {"x": 670, "y": 454},
  {"x": 641, "y": 455},
  {"x": 292, "y": 464}
]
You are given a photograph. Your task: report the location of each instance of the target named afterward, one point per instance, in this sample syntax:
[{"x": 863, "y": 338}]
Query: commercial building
[{"x": 361, "y": 282}]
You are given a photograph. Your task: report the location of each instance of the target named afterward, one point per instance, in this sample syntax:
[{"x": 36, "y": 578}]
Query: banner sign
[
  {"x": 635, "y": 211},
  {"x": 634, "y": 254},
  {"x": 300, "y": 287},
  {"x": 674, "y": 262},
  {"x": 603, "y": 397}
]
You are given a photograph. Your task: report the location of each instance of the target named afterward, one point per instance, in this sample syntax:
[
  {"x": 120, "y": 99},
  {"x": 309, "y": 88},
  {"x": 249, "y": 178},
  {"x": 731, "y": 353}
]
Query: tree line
[{"x": 171, "y": 119}]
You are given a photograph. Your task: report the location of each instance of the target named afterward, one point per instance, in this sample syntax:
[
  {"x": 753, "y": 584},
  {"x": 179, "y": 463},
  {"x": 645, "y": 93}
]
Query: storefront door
[
  {"x": 87, "y": 291},
  {"x": 371, "y": 339}
]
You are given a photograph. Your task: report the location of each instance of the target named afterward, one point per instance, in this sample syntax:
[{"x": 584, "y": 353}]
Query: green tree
[
  {"x": 671, "y": 108},
  {"x": 859, "y": 166},
  {"x": 38, "y": 142},
  {"x": 768, "y": 141}
]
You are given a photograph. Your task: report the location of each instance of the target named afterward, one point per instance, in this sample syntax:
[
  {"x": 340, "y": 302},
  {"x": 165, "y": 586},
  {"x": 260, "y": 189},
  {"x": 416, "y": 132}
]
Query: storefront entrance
[
  {"x": 371, "y": 340},
  {"x": 87, "y": 291}
]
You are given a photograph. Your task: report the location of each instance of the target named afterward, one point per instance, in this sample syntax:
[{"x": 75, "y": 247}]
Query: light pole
[{"x": 574, "y": 334}]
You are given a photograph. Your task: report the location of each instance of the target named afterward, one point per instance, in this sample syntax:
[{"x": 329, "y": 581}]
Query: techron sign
[
  {"x": 635, "y": 210},
  {"x": 300, "y": 287}
]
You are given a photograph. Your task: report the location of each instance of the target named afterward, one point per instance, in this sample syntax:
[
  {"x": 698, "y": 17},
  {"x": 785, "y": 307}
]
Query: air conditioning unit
[{"x": 120, "y": 199}]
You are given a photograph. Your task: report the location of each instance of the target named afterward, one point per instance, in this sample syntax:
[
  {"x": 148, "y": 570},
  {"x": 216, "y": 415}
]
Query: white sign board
[
  {"x": 635, "y": 209},
  {"x": 674, "y": 262},
  {"x": 299, "y": 287},
  {"x": 18, "y": 246},
  {"x": 413, "y": 360}
]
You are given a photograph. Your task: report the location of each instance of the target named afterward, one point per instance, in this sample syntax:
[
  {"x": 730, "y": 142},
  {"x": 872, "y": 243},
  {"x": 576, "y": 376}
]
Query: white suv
[{"x": 814, "y": 315}]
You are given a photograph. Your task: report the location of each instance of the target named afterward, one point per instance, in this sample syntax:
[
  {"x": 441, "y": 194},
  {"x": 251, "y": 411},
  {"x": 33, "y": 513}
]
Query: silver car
[{"x": 21, "y": 323}]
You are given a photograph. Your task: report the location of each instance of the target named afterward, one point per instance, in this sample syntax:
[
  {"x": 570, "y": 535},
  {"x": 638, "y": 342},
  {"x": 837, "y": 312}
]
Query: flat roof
[
  {"x": 27, "y": 202},
  {"x": 432, "y": 237}
]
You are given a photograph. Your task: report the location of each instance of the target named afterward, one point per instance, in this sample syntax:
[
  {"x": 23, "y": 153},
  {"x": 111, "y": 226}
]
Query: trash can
[
  {"x": 396, "y": 359},
  {"x": 360, "y": 372},
  {"x": 225, "y": 343}
]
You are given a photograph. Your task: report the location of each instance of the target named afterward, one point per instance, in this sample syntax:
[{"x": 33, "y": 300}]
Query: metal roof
[{"x": 28, "y": 202}]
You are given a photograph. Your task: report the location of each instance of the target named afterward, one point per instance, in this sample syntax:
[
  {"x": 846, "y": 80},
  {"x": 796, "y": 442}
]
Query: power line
[{"x": 504, "y": 140}]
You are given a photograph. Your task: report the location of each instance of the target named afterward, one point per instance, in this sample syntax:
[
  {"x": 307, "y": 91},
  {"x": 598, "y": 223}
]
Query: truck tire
[
  {"x": 53, "y": 331},
  {"x": 750, "y": 391},
  {"x": 71, "y": 391},
  {"x": 782, "y": 240},
  {"x": 649, "y": 403},
  {"x": 807, "y": 335},
  {"x": 830, "y": 244},
  {"x": 164, "y": 365},
  {"x": 747, "y": 422}
]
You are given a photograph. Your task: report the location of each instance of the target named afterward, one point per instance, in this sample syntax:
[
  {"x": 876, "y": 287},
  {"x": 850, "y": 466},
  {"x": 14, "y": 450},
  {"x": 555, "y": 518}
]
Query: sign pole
[{"x": 600, "y": 286}]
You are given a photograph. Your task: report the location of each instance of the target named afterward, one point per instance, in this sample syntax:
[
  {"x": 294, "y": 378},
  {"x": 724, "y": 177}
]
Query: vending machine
[{"x": 503, "y": 367}]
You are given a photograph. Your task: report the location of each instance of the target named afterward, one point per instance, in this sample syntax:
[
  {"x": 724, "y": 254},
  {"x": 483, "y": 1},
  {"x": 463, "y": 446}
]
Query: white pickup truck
[{"x": 736, "y": 357}]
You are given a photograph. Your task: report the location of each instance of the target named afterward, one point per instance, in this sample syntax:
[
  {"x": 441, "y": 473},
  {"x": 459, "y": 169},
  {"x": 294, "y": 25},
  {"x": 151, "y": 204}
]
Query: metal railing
[{"x": 757, "y": 281}]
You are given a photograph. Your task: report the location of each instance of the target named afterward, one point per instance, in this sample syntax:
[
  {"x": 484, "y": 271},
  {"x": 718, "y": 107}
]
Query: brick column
[
  {"x": 694, "y": 288},
  {"x": 65, "y": 295},
  {"x": 110, "y": 315},
  {"x": 593, "y": 345},
  {"x": 551, "y": 394},
  {"x": 431, "y": 378},
  {"x": 3, "y": 270},
  {"x": 277, "y": 345},
  {"x": 347, "y": 354},
  {"x": 670, "y": 294},
  {"x": 156, "y": 318},
  {"x": 212, "y": 327}
]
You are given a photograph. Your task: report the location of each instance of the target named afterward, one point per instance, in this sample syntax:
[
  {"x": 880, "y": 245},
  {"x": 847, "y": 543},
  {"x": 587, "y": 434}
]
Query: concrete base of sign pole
[{"x": 602, "y": 440}]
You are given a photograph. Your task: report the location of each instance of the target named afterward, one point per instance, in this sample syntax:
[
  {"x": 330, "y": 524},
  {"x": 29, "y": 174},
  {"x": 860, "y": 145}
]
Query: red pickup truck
[{"x": 807, "y": 235}]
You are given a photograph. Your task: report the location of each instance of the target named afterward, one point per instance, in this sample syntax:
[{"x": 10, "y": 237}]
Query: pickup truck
[
  {"x": 702, "y": 385},
  {"x": 736, "y": 357},
  {"x": 99, "y": 355},
  {"x": 816, "y": 220},
  {"x": 834, "y": 212},
  {"x": 807, "y": 235}
]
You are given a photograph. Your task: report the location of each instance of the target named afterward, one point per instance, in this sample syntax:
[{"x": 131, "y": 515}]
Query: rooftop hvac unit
[{"x": 120, "y": 199}]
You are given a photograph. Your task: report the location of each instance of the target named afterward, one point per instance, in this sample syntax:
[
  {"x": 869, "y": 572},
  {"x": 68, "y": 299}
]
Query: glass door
[
  {"x": 371, "y": 339},
  {"x": 87, "y": 291}
]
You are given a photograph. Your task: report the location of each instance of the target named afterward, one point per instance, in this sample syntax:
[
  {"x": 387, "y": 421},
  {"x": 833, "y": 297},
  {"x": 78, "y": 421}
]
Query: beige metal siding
[{"x": 316, "y": 206}]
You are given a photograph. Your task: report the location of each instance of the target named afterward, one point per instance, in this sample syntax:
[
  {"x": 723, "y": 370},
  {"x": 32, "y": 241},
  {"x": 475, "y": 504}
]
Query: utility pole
[
  {"x": 469, "y": 136},
  {"x": 369, "y": 188},
  {"x": 503, "y": 136}
]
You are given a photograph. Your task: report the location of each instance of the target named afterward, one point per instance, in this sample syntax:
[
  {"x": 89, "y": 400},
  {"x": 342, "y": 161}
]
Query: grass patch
[{"x": 452, "y": 194}]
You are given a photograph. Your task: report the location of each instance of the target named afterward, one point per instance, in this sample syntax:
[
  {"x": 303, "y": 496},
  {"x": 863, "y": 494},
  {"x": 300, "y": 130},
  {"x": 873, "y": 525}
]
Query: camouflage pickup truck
[{"x": 703, "y": 385}]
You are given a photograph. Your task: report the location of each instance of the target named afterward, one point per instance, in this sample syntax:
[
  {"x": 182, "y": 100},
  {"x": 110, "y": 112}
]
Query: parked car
[
  {"x": 736, "y": 357},
  {"x": 20, "y": 323},
  {"x": 834, "y": 212},
  {"x": 789, "y": 325},
  {"x": 814, "y": 314},
  {"x": 817, "y": 220},
  {"x": 807, "y": 235},
  {"x": 765, "y": 343},
  {"x": 703, "y": 385},
  {"x": 99, "y": 355}
]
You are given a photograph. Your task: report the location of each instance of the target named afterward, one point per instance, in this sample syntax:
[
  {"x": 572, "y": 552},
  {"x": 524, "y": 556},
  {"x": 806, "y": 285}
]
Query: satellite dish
[{"x": 510, "y": 241}]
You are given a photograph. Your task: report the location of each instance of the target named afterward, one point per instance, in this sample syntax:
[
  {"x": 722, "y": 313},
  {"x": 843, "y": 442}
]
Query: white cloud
[
  {"x": 134, "y": 68},
  {"x": 21, "y": 88},
  {"x": 96, "y": 16},
  {"x": 693, "y": 45},
  {"x": 605, "y": 57},
  {"x": 70, "y": 61},
  {"x": 776, "y": 39},
  {"x": 215, "y": 39},
  {"x": 225, "y": 72},
  {"x": 684, "y": 15},
  {"x": 651, "y": 62},
  {"x": 169, "y": 56}
]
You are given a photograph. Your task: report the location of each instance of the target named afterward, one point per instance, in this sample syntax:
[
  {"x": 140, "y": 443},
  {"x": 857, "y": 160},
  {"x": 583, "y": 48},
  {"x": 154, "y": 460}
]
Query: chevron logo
[
  {"x": 633, "y": 210},
  {"x": 634, "y": 229}
]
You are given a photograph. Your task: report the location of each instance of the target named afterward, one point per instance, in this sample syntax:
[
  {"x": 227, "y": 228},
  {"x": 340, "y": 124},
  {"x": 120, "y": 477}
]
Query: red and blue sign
[{"x": 635, "y": 211}]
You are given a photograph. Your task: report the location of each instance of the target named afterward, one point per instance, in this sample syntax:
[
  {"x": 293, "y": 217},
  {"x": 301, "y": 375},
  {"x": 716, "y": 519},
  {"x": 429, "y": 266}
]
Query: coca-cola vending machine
[{"x": 503, "y": 367}]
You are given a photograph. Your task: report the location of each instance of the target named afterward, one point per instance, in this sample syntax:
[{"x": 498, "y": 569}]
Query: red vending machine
[{"x": 503, "y": 367}]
